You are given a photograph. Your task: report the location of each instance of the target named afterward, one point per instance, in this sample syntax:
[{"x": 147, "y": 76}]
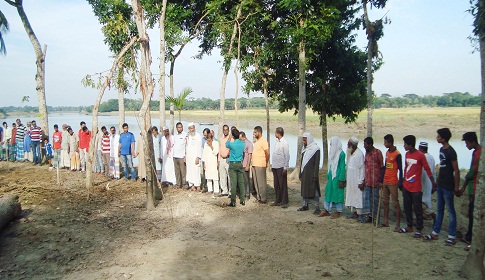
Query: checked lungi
[{"x": 20, "y": 150}]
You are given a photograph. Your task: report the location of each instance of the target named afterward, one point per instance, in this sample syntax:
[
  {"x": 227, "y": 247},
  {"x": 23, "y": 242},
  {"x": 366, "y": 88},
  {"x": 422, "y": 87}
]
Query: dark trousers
[
  {"x": 280, "y": 185},
  {"x": 180, "y": 169},
  {"x": 413, "y": 200},
  {"x": 471, "y": 206},
  {"x": 237, "y": 181},
  {"x": 247, "y": 184}
]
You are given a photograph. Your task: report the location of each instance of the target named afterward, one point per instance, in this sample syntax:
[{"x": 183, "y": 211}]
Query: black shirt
[{"x": 446, "y": 178}]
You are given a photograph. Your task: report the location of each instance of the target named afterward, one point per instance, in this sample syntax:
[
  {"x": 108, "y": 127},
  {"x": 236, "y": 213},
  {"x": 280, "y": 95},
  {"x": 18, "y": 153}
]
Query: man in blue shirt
[
  {"x": 126, "y": 151},
  {"x": 236, "y": 169}
]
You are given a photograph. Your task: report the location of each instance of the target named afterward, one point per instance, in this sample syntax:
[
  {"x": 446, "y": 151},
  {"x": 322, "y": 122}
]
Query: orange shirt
[
  {"x": 259, "y": 156},
  {"x": 390, "y": 177}
]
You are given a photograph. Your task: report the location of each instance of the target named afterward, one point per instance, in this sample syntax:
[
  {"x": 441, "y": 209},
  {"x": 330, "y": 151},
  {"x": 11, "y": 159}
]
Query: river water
[{"x": 73, "y": 119}]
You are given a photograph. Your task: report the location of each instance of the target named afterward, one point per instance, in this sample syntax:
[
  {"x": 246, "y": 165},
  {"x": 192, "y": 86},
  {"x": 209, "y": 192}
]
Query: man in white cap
[
  {"x": 355, "y": 178},
  {"x": 427, "y": 186},
  {"x": 193, "y": 156},
  {"x": 65, "y": 159},
  {"x": 168, "y": 171},
  {"x": 310, "y": 165}
]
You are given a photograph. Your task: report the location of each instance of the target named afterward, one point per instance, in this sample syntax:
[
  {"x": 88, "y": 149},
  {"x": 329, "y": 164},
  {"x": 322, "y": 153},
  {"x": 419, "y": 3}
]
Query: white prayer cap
[
  {"x": 423, "y": 144},
  {"x": 354, "y": 140},
  {"x": 164, "y": 128},
  {"x": 190, "y": 124}
]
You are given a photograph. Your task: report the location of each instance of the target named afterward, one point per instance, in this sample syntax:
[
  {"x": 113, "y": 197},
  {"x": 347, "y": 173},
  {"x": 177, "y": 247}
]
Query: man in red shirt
[
  {"x": 56, "y": 140},
  {"x": 374, "y": 170},
  {"x": 412, "y": 191},
  {"x": 84, "y": 139}
]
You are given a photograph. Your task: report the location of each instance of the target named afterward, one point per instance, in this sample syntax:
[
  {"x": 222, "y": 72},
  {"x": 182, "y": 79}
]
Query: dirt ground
[{"x": 64, "y": 235}]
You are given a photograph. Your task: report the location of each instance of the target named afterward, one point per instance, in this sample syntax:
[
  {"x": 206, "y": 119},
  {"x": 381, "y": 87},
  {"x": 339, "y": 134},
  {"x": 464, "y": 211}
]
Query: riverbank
[{"x": 64, "y": 235}]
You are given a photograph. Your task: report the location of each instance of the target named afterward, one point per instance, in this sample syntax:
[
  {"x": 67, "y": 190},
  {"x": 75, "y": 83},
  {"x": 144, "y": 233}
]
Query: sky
[{"x": 425, "y": 48}]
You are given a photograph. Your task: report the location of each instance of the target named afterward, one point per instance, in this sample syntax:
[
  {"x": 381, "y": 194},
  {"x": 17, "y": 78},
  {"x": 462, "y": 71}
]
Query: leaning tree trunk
[
  {"x": 162, "y": 64},
  {"x": 94, "y": 127},
  {"x": 172, "y": 95},
  {"x": 222, "y": 105},
  {"x": 147, "y": 89},
  {"x": 39, "y": 61},
  {"x": 301, "y": 106},
  {"x": 473, "y": 267},
  {"x": 9, "y": 209}
]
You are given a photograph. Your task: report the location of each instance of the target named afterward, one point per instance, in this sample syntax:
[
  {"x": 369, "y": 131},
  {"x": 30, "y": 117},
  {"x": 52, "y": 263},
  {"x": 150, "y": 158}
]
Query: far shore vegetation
[{"x": 454, "y": 99}]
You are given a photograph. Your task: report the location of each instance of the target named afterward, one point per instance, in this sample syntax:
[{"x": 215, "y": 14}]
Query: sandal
[
  {"x": 450, "y": 242},
  {"x": 417, "y": 234},
  {"x": 430, "y": 237},
  {"x": 303, "y": 208},
  {"x": 324, "y": 214},
  {"x": 405, "y": 230},
  {"x": 467, "y": 248}
]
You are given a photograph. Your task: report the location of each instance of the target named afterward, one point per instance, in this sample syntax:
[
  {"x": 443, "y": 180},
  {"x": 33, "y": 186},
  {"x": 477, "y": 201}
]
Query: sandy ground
[{"x": 64, "y": 235}]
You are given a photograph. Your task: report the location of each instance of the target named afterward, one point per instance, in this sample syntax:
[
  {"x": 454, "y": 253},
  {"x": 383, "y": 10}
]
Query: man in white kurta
[
  {"x": 168, "y": 170},
  {"x": 428, "y": 212},
  {"x": 193, "y": 156},
  {"x": 114, "y": 158},
  {"x": 209, "y": 158},
  {"x": 157, "y": 152},
  {"x": 355, "y": 178}
]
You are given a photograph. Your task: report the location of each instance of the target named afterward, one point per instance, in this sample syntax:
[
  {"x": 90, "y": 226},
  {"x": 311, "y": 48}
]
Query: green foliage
[
  {"x": 452, "y": 99},
  {"x": 178, "y": 101},
  {"x": 4, "y": 27}
]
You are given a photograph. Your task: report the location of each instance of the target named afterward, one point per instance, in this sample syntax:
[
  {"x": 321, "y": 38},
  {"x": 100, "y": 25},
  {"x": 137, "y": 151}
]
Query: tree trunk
[
  {"x": 369, "y": 88},
  {"x": 301, "y": 106},
  {"x": 236, "y": 94},
  {"x": 172, "y": 95},
  {"x": 224, "y": 76},
  {"x": 39, "y": 61},
  {"x": 121, "y": 103},
  {"x": 9, "y": 209},
  {"x": 147, "y": 89},
  {"x": 473, "y": 267},
  {"x": 94, "y": 127},
  {"x": 266, "y": 101},
  {"x": 323, "y": 123},
  {"x": 236, "y": 66},
  {"x": 162, "y": 65}
]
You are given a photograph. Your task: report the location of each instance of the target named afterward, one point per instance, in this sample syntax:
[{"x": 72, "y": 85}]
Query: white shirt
[
  {"x": 281, "y": 154},
  {"x": 179, "y": 140}
]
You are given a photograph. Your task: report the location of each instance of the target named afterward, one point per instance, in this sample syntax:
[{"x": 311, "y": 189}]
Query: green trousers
[{"x": 236, "y": 175}]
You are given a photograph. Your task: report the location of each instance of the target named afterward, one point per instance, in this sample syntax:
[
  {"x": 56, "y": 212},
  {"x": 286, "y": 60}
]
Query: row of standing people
[{"x": 361, "y": 182}]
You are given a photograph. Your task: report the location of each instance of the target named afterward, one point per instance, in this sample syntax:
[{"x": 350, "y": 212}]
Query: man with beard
[
  {"x": 355, "y": 178},
  {"x": 157, "y": 151},
  {"x": 310, "y": 163},
  {"x": 73, "y": 150},
  {"x": 193, "y": 155},
  {"x": 65, "y": 161},
  {"x": 168, "y": 171}
]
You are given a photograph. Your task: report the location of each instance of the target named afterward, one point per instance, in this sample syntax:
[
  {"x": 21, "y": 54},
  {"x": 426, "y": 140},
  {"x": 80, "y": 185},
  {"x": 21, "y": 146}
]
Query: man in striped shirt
[
  {"x": 105, "y": 149},
  {"x": 21, "y": 130},
  {"x": 36, "y": 135}
]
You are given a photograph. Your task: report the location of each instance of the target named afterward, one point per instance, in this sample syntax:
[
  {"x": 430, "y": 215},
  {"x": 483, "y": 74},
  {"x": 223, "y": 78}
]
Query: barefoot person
[
  {"x": 471, "y": 142},
  {"x": 392, "y": 182},
  {"x": 412, "y": 191},
  {"x": 334, "y": 192},
  {"x": 310, "y": 163},
  {"x": 448, "y": 185},
  {"x": 193, "y": 155},
  {"x": 355, "y": 178}
]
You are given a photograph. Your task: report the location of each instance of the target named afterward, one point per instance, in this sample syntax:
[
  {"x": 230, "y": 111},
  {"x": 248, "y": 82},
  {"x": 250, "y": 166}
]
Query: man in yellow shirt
[{"x": 260, "y": 159}]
